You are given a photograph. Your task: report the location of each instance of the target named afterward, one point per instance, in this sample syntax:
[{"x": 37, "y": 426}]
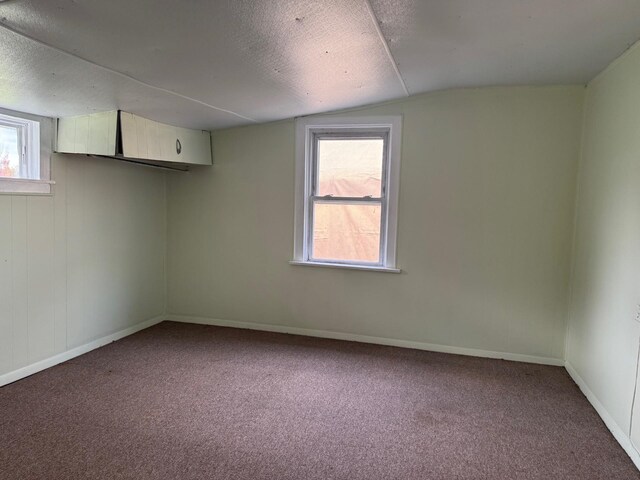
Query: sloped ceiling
[{"x": 213, "y": 64}]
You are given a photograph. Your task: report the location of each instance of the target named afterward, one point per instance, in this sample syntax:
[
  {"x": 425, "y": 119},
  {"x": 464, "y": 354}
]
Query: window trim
[
  {"x": 31, "y": 125},
  {"x": 307, "y": 130}
]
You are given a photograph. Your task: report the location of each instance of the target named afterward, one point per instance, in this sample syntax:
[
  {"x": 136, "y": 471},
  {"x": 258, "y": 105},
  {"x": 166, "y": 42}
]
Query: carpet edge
[{"x": 27, "y": 370}]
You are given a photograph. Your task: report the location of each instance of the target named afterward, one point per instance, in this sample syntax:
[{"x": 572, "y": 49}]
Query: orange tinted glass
[
  {"x": 350, "y": 168},
  {"x": 346, "y": 232}
]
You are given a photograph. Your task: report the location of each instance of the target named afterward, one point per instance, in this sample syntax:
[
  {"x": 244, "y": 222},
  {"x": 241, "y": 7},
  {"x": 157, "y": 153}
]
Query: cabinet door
[
  {"x": 93, "y": 134},
  {"x": 134, "y": 136},
  {"x": 167, "y": 137},
  {"x": 163, "y": 142},
  {"x": 194, "y": 146}
]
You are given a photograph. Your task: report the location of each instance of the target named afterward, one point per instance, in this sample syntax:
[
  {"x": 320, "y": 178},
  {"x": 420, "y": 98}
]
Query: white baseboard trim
[
  {"x": 352, "y": 337},
  {"x": 36, "y": 367},
  {"x": 619, "y": 434}
]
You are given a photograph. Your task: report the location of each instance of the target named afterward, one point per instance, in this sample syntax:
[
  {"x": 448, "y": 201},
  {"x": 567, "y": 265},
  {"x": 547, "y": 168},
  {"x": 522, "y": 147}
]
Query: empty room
[{"x": 319, "y": 239}]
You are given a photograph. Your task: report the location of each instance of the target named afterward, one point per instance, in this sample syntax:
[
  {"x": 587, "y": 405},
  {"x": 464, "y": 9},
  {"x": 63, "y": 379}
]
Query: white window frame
[
  {"x": 36, "y": 136},
  {"x": 308, "y": 131}
]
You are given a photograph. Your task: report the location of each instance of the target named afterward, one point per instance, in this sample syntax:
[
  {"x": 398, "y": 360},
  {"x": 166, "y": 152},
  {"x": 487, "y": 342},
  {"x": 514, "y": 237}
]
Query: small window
[
  {"x": 24, "y": 153},
  {"x": 347, "y": 192}
]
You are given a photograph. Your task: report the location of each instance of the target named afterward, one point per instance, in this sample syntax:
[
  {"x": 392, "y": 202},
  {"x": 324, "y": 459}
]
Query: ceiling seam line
[
  {"x": 385, "y": 44},
  {"x": 121, "y": 74}
]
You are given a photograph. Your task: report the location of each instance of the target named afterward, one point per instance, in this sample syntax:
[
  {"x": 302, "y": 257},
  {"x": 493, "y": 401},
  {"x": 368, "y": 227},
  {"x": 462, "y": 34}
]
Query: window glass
[
  {"x": 346, "y": 232},
  {"x": 9, "y": 151},
  {"x": 350, "y": 167}
]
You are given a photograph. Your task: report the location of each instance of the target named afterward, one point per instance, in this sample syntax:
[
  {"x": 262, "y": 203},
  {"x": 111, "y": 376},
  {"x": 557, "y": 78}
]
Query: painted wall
[
  {"x": 485, "y": 228},
  {"x": 83, "y": 263},
  {"x": 602, "y": 340}
]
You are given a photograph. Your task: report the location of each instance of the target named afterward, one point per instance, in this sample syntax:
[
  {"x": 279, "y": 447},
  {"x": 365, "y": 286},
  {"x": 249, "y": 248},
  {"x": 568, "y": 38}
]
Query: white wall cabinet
[{"x": 126, "y": 136}]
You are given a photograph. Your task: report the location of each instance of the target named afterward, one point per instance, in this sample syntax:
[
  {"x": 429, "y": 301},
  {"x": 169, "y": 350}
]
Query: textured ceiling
[
  {"x": 213, "y": 64},
  {"x": 464, "y": 43}
]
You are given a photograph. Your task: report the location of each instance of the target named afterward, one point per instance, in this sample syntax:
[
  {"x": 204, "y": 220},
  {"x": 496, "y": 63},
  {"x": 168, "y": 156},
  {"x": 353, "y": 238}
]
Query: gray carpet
[{"x": 193, "y": 402}]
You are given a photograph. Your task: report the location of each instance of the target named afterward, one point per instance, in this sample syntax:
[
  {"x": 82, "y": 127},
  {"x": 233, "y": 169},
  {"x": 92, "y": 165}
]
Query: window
[
  {"x": 347, "y": 192},
  {"x": 24, "y": 153}
]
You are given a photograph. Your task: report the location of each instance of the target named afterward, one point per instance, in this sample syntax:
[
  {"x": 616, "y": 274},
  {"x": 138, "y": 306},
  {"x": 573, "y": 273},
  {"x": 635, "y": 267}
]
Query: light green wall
[
  {"x": 602, "y": 343},
  {"x": 485, "y": 228},
  {"x": 83, "y": 263}
]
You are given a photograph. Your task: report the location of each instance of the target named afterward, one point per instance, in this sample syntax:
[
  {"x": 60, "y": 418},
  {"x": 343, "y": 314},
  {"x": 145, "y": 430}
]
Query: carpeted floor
[{"x": 187, "y": 402}]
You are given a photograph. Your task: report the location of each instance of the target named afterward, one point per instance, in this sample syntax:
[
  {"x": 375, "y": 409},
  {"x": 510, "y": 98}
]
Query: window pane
[
  {"x": 9, "y": 152},
  {"x": 346, "y": 232},
  {"x": 350, "y": 168}
]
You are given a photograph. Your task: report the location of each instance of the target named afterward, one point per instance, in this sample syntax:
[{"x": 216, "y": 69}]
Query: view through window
[
  {"x": 10, "y": 151},
  {"x": 19, "y": 147},
  {"x": 348, "y": 201}
]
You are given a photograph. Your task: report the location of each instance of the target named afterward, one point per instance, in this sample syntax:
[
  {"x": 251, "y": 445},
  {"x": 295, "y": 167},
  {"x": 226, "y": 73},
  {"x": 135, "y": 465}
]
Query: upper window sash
[{"x": 359, "y": 134}]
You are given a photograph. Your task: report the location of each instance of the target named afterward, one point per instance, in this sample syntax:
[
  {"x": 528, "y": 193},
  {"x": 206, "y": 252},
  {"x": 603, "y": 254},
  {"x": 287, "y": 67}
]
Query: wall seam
[
  {"x": 13, "y": 289},
  {"x": 166, "y": 246},
  {"x": 576, "y": 211}
]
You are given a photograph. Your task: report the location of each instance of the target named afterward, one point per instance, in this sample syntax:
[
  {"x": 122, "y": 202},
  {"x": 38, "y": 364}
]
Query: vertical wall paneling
[
  {"x": 6, "y": 285},
  {"x": 60, "y": 257},
  {"x": 82, "y": 264},
  {"x": 40, "y": 277},
  {"x": 20, "y": 293},
  {"x": 75, "y": 251}
]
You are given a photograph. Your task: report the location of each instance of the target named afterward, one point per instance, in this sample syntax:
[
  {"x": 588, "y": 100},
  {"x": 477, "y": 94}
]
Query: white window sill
[
  {"x": 24, "y": 186},
  {"x": 367, "y": 268}
]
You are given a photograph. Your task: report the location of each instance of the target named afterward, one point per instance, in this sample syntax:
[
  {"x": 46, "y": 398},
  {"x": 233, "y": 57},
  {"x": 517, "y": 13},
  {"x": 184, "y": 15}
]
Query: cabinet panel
[
  {"x": 163, "y": 141},
  {"x": 141, "y": 132},
  {"x": 167, "y": 135},
  {"x": 196, "y": 146},
  {"x": 94, "y": 134},
  {"x": 129, "y": 131}
]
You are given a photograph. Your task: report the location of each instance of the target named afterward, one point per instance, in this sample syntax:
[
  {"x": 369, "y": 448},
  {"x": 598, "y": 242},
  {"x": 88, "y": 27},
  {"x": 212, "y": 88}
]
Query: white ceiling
[{"x": 213, "y": 64}]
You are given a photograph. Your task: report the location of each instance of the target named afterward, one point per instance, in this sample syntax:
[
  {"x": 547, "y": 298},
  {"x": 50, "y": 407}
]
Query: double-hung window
[
  {"x": 347, "y": 192},
  {"x": 25, "y": 147}
]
